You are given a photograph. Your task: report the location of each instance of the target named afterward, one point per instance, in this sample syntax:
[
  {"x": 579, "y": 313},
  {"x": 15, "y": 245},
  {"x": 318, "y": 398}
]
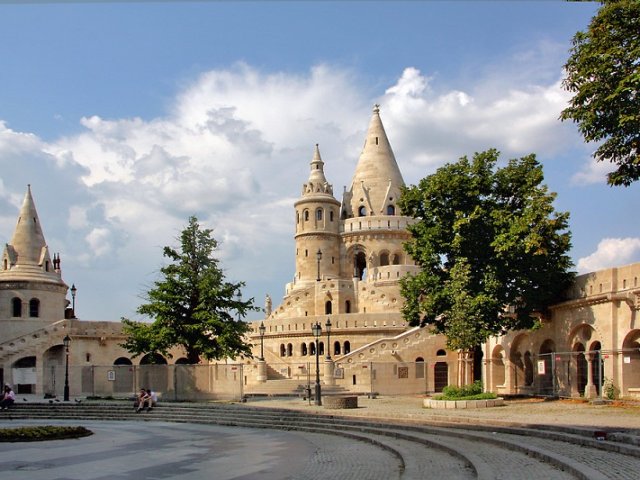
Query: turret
[
  {"x": 31, "y": 285},
  {"x": 317, "y": 226},
  {"x": 377, "y": 181}
]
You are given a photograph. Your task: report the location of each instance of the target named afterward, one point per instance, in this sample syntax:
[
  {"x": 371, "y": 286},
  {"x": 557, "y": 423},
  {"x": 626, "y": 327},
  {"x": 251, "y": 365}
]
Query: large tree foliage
[
  {"x": 192, "y": 305},
  {"x": 493, "y": 251},
  {"x": 603, "y": 72}
]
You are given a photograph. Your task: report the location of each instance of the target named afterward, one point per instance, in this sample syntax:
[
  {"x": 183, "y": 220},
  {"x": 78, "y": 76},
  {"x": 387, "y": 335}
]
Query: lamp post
[
  {"x": 316, "y": 329},
  {"x": 262, "y": 329},
  {"x": 328, "y": 327},
  {"x": 318, "y": 257},
  {"x": 74, "y": 290},
  {"x": 65, "y": 341}
]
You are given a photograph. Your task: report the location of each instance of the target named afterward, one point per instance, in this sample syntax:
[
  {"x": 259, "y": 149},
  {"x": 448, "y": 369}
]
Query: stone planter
[
  {"x": 453, "y": 404},
  {"x": 340, "y": 402}
]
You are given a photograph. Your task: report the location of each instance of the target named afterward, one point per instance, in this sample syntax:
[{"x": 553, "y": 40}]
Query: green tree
[
  {"x": 192, "y": 305},
  {"x": 603, "y": 72},
  {"x": 492, "y": 249}
]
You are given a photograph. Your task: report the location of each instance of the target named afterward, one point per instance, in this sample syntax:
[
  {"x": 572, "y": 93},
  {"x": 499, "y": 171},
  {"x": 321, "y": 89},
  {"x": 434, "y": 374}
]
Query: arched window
[
  {"x": 396, "y": 259},
  {"x": 321, "y": 348},
  {"x": 347, "y": 347},
  {"x": 419, "y": 367},
  {"x": 289, "y": 350},
  {"x": 16, "y": 307},
  {"x": 362, "y": 211},
  {"x": 5, "y": 264},
  {"x": 34, "y": 308},
  {"x": 303, "y": 349},
  {"x": 312, "y": 348},
  {"x": 391, "y": 210},
  {"x": 122, "y": 361},
  {"x": 360, "y": 265},
  {"x": 319, "y": 214},
  {"x": 331, "y": 215},
  {"x": 441, "y": 353},
  {"x": 328, "y": 307},
  {"x": 384, "y": 259},
  {"x": 306, "y": 215},
  {"x": 336, "y": 348},
  {"x": 283, "y": 350},
  {"x": 347, "y": 306},
  {"x": 182, "y": 361},
  {"x": 153, "y": 359}
]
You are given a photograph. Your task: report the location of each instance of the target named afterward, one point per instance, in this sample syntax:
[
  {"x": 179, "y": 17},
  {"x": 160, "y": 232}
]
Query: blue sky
[{"x": 128, "y": 118}]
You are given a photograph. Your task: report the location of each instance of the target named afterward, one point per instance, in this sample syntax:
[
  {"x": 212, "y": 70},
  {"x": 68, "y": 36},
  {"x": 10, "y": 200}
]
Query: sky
[{"x": 128, "y": 118}]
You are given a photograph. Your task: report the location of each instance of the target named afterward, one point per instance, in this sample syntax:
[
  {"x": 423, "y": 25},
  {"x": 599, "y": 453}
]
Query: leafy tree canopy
[
  {"x": 192, "y": 305},
  {"x": 603, "y": 72},
  {"x": 492, "y": 249}
]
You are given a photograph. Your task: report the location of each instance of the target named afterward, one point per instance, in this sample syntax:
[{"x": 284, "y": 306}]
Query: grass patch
[
  {"x": 40, "y": 433},
  {"x": 466, "y": 392}
]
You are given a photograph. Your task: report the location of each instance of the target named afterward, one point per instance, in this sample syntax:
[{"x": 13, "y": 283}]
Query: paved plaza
[{"x": 185, "y": 451}]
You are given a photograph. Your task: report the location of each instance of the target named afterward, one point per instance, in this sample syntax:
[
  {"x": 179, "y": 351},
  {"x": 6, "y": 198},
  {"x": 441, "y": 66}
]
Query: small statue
[{"x": 267, "y": 305}]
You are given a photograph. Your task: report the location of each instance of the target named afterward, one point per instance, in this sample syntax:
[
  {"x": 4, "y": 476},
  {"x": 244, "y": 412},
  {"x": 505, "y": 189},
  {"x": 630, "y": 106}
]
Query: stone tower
[
  {"x": 32, "y": 291},
  {"x": 317, "y": 227},
  {"x": 373, "y": 226}
]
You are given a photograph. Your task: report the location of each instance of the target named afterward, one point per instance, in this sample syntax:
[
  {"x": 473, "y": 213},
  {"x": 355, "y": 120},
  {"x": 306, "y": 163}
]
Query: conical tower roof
[
  {"x": 317, "y": 183},
  {"x": 377, "y": 180},
  {"x": 26, "y": 256}
]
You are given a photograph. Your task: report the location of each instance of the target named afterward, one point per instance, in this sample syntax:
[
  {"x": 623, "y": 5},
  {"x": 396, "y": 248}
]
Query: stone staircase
[{"x": 478, "y": 446}]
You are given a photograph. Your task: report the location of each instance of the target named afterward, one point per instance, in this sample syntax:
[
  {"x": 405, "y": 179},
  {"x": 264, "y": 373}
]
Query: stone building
[{"x": 348, "y": 261}]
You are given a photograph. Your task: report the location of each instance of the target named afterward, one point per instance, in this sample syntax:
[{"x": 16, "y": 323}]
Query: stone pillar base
[
  {"x": 329, "y": 369},
  {"x": 262, "y": 371}
]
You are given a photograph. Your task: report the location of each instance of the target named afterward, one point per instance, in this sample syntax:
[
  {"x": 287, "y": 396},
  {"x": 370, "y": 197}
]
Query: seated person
[{"x": 8, "y": 398}]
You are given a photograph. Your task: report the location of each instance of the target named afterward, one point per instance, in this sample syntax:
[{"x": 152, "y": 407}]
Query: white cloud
[
  {"x": 592, "y": 172},
  {"x": 234, "y": 149},
  {"x": 611, "y": 252}
]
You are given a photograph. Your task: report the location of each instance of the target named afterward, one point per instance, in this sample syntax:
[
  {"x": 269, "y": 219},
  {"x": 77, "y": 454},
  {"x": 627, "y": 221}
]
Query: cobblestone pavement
[{"x": 569, "y": 413}]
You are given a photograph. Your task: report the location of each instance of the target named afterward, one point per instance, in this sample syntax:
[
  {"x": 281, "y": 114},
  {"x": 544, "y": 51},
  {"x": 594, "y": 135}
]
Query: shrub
[
  {"x": 466, "y": 392},
  {"x": 39, "y": 433}
]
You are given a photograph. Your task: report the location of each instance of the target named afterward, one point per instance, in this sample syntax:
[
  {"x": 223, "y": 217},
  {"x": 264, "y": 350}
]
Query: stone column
[
  {"x": 590, "y": 390},
  {"x": 329, "y": 369},
  {"x": 508, "y": 374},
  {"x": 262, "y": 371}
]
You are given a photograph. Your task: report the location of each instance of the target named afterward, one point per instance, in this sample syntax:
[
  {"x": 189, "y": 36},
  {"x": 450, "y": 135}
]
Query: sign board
[
  {"x": 627, "y": 359},
  {"x": 111, "y": 375},
  {"x": 541, "y": 367}
]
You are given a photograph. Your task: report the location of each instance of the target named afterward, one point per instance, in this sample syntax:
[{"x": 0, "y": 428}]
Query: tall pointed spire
[
  {"x": 317, "y": 182},
  {"x": 377, "y": 180},
  {"x": 28, "y": 239},
  {"x": 26, "y": 256}
]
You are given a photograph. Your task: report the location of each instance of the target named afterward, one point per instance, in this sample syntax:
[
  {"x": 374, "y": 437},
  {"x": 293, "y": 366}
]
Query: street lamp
[
  {"x": 316, "y": 329},
  {"x": 262, "y": 329},
  {"x": 328, "y": 327},
  {"x": 318, "y": 257},
  {"x": 65, "y": 341},
  {"x": 74, "y": 290}
]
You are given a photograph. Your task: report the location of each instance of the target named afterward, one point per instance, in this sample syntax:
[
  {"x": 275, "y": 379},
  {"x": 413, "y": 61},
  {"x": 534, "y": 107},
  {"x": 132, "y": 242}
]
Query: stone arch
[
  {"x": 312, "y": 348},
  {"x": 396, "y": 259},
  {"x": 420, "y": 370},
  {"x": 580, "y": 373},
  {"x": 303, "y": 349},
  {"x": 597, "y": 365},
  {"x": 34, "y": 308},
  {"x": 630, "y": 371},
  {"x": 384, "y": 259},
  {"x": 23, "y": 372},
  {"x": 16, "y": 307},
  {"x": 360, "y": 264},
  {"x": 182, "y": 361},
  {"x": 289, "y": 349},
  {"x": 528, "y": 369},
  {"x": 336, "y": 348},
  {"x": 347, "y": 347},
  {"x": 498, "y": 371},
  {"x": 153, "y": 359},
  {"x": 546, "y": 352},
  {"x": 440, "y": 376},
  {"x": 124, "y": 375}
]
